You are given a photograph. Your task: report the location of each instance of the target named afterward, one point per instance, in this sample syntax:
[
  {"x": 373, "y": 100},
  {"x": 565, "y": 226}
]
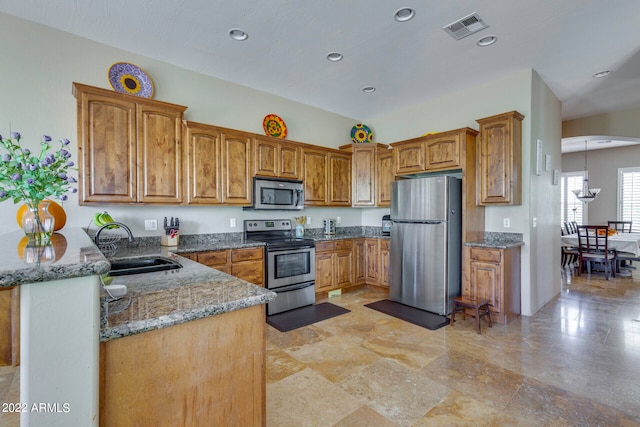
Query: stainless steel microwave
[{"x": 277, "y": 194}]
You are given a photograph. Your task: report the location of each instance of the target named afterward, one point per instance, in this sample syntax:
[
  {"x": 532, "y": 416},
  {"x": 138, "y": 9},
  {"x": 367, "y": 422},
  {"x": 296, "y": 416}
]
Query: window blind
[{"x": 629, "y": 196}]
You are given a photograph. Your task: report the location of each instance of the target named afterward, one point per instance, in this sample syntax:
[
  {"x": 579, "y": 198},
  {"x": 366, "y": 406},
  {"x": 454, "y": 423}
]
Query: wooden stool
[{"x": 460, "y": 303}]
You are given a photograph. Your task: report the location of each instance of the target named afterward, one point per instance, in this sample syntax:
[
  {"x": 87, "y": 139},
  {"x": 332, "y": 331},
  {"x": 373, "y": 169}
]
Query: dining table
[{"x": 629, "y": 243}]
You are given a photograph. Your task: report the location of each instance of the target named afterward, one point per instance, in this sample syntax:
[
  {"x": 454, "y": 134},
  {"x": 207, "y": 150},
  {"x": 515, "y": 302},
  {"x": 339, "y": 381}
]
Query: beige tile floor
[{"x": 576, "y": 362}]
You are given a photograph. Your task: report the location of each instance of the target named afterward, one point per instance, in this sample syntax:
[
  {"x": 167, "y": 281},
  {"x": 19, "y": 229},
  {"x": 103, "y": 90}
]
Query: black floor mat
[
  {"x": 303, "y": 316},
  {"x": 410, "y": 314}
]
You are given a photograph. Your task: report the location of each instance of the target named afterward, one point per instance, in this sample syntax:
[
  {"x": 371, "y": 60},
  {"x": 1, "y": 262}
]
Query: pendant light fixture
[{"x": 586, "y": 194}]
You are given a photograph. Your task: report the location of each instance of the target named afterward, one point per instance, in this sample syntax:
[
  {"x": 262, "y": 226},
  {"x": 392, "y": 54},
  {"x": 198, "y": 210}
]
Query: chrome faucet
[{"x": 127, "y": 229}]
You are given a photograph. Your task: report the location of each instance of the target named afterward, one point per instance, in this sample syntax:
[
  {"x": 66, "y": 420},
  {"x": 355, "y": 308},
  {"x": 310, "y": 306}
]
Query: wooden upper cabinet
[
  {"x": 159, "y": 154},
  {"x": 409, "y": 156},
  {"x": 339, "y": 179},
  {"x": 384, "y": 177},
  {"x": 237, "y": 148},
  {"x": 130, "y": 148},
  {"x": 203, "y": 164},
  {"x": 276, "y": 159},
  {"x": 315, "y": 177},
  {"x": 442, "y": 152},
  {"x": 499, "y": 158}
]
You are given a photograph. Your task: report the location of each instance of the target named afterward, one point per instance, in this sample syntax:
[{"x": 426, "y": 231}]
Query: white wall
[
  {"x": 522, "y": 91},
  {"x": 39, "y": 66}
]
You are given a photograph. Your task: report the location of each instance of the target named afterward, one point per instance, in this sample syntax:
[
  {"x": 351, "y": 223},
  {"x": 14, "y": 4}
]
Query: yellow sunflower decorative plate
[
  {"x": 128, "y": 78},
  {"x": 274, "y": 126},
  {"x": 361, "y": 133}
]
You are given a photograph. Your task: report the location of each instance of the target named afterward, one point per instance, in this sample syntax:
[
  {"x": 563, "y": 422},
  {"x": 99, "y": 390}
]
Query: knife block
[{"x": 167, "y": 240}]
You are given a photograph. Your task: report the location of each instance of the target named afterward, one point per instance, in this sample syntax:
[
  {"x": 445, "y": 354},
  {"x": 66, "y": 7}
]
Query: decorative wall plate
[
  {"x": 274, "y": 126},
  {"x": 361, "y": 133},
  {"x": 128, "y": 78}
]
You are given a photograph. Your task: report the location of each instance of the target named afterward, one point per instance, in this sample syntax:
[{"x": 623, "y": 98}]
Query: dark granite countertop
[
  {"x": 166, "y": 298},
  {"x": 71, "y": 254},
  {"x": 498, "y": 240}
]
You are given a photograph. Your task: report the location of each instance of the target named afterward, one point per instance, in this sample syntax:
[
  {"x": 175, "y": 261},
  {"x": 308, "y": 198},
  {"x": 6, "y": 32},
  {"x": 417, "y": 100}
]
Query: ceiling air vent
[{"x": 466, "y": 26}]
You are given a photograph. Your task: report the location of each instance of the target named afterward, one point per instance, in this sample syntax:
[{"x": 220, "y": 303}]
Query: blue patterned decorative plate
[
  {"x": 128, "y": 78},
  {"x": 361, "y": 133}
]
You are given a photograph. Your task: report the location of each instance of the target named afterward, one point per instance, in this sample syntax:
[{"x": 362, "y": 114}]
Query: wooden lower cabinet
[
  {"x": 10, "y": 326},
  {"x": 207, "y": 372},
  {"x": 341, "y": 264},
  {"x": 245, "y": 263},
  {"x": 494, "y": 274}
]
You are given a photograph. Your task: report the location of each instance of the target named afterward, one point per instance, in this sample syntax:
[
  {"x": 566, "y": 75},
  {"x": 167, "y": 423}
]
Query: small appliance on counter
[
  {"x": 329, "y": 226},
  {"x": 386, "y": 225}
]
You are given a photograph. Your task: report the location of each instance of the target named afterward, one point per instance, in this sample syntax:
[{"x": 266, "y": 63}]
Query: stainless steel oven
[{"x": 289, "y": 264}]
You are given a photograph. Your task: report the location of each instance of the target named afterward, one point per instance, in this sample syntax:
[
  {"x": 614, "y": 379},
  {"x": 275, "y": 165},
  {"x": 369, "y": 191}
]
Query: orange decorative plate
[{"x": 274, "y": 126}]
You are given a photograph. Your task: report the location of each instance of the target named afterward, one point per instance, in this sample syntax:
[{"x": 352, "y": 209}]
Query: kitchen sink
[{"x": 142, "y": 265}]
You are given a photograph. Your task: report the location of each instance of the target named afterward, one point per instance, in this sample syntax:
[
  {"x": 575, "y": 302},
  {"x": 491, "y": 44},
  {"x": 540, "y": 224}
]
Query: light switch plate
[{"x": 150, "y": 224}]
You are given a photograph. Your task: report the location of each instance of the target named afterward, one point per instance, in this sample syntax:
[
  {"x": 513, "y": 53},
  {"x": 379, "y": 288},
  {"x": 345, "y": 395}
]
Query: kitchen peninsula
[{"x": 177, "y": 348}]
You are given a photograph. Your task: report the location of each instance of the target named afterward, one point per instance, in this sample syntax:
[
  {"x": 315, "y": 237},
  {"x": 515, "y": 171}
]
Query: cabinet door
[
  {"x": 339, "y": 179},
  {"x": 266, "y": 158},
  {"x": 499, "y": 153},
  {"x": 409, "y": 157},
  {"x": 359, "y": 261},
  {"x": 107, "y": 146},
  {"x": 364, "y": 166},
  {"x": 344, "y": 269},
  {"x": 289, "y": 161},
  {"x": 159, "y": 154},
  {"x": 442, "y": 152},
  {"x": 315, "y": 173},
  {"x": 384, "y": 177},
  {"x": 371, "y": 248},
  {"x": 325, "y": 273},
  {"x": 203, "y": 164},
  {"x": 251, "y": 271},
  {"x": 485, "y": 283},
  {"x": 385, "y": 262},
  {"x": 237, "y": 149}
]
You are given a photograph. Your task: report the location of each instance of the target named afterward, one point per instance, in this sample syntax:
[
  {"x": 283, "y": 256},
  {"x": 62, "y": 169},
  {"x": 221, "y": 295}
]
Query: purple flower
[
  {"x": 15, "y": 135},
  {"x": 46, "y": 138},
  {"x": 74, "y": 190},
  {"x": 30, "y": 181},
  {"x": 65, "y": 142},
  {"x": 16, "y": 177},
  {"x": 49, "y": 159},
  {"x": 33, "y": 166},
  {"x": 6, "y": 157},
  {"x": 65, "y": 153},
  {"x": 70, "y": 163},
  {"x": 72, "y": 180},
  {"x": 2, "y": 194},
  {"x": 64, "y": 197},
  {"x": 62, "y": 175},
  {"x": 26, "y": 151}
]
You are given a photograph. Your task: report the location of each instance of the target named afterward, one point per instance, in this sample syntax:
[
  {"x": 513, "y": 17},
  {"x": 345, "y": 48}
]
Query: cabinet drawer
[
  {"x": 325, "y": 246},
  {"x": 487, "y": 255},
  {"x": 213, "y": 258},
  {"x": 238, "y": 255},
  {"x": 344, "y": 245}
]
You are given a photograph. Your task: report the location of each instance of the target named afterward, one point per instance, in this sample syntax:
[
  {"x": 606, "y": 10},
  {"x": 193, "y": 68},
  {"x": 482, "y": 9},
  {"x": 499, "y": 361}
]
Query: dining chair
[
  {"x": 620, "y": 226},
  {"x": 569, "y": 253},
  {"x": 574, "y": 227},
  {"x": 593, "y": 246}
]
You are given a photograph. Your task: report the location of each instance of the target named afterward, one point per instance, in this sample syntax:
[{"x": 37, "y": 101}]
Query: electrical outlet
[
  {"x": 308, "y": 220},
  {"x": 338, "y": 220},
  {"x": 150, "y": 224},
  {"x": 506, "y": 222},
  {"x": 232, "y": 222},
  {"x": 534, "y": 222}
]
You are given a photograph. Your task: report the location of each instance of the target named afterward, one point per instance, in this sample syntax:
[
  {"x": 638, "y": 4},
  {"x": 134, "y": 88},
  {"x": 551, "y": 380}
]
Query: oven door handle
[
  {"x": 295, "y": 249},
  {"x": 293, "y": 287}
]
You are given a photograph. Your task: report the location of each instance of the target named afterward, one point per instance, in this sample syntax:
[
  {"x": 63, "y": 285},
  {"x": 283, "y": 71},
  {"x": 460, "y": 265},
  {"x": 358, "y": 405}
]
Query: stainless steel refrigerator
[{"x": 426, "y": 242}]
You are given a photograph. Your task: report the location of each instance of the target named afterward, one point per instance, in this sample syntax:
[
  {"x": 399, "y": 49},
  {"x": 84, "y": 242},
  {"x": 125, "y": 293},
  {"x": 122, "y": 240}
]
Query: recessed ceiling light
[
  {"x": 368, "y": 89},
  {"x": 604, "y": 73},
  {"x": 334, "y": 56},
  {"x": 487, "y": 41},
  {"x": 404, "y": 14},
  {"x": 238, "y": 34}
]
